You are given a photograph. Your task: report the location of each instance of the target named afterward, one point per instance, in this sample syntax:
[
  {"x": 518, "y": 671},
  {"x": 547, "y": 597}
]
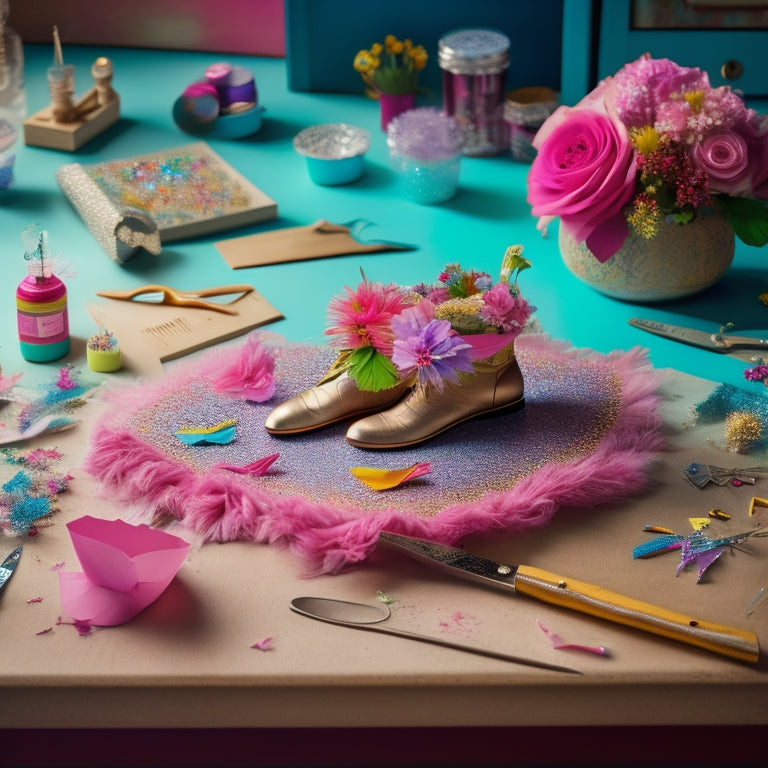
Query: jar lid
[
  {"x": 474, "y": 52},
  {"x": 425, "y": 134}
]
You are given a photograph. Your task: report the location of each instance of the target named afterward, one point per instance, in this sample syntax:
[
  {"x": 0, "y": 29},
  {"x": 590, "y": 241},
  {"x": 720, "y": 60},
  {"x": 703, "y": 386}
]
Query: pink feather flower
[
  {"x": 250, "y": 376},
  {"x": 362, "y": 318}
]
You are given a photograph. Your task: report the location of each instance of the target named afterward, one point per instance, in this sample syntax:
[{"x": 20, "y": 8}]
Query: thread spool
[
  {"x": 61, "y": 84},
  {"x": 41, "y": 307}
]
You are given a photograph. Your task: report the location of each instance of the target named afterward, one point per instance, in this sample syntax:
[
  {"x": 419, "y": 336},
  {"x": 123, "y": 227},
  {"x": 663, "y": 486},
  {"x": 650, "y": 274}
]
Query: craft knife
[
  {"x": 586, "y": 598},
  {"x": 714, "y": 342}
]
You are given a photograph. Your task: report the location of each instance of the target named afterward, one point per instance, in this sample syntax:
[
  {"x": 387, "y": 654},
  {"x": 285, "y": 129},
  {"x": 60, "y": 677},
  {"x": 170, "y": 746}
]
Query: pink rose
[
  {"x": 584, "y": 173},
  {"x": 736, "y": 160},
  {"x": 724, "y": 156},
  {"x": 508, "y": 311}
]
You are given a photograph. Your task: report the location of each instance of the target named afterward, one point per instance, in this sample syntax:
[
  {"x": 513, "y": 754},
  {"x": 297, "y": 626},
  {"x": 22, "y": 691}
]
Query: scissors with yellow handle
[{"x": 162, "y": 294}]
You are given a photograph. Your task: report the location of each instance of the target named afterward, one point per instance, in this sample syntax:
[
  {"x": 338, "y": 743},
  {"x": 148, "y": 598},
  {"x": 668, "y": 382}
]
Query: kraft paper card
[{"x": 314, "y": 241}]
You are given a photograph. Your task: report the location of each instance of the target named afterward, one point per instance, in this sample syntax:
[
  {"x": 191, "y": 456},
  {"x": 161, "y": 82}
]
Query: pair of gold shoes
[{"x": 404, "y": 415}]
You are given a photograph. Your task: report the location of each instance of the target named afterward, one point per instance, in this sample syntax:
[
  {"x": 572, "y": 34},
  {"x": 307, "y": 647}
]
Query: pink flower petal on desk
[
  {"x": 383, "y": 479},
  {"x": 559, "y": 645}
]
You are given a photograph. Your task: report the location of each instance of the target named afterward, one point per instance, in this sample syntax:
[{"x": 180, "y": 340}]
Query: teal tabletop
[{"x": 489, "y": 213}]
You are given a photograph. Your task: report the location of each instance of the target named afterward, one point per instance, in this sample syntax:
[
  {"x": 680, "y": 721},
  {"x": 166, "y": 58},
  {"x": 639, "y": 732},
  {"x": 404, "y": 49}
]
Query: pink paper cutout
[
  {"x": 125, "y": 569},
  {"x": 560, "y": 645}
]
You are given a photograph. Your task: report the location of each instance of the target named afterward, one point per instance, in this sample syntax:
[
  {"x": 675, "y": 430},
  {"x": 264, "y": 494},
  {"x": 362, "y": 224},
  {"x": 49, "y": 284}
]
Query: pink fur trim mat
[{"x": 589, "y": 433}]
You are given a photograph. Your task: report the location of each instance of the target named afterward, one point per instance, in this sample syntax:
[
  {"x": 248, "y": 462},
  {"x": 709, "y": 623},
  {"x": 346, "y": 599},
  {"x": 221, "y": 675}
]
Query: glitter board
[{"x": 188, "y": 191}]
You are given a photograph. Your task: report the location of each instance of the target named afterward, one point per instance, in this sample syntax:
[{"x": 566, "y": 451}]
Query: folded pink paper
[{"x": 125, "y": 569}]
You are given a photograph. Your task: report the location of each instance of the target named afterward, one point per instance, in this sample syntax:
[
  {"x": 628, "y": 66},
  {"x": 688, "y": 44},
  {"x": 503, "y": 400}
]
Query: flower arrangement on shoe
[
  {"x": 655, "y": 144},
  {"x": 427, "y": 334}
]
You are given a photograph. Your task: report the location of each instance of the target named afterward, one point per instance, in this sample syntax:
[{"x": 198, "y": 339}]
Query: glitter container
[
  {"x": 525, "y": 111},
  {"x": 425, "y": 150},
  {"x": 475, "y": 64},
  {"x": 103, "y": 353},
  {"x": 335, "y": 152}
]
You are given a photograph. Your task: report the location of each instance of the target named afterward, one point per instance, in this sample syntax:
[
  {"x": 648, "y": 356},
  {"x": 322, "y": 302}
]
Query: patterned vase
[
  {"x": 681, "y": 260},
  {"x": 393, "y": 104}
]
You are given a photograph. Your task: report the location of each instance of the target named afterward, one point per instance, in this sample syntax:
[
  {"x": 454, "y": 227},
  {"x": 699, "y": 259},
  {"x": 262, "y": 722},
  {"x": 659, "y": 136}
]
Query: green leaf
[
  {"x": 748, "y": 217},
  {"x": 371, "y": 370}
]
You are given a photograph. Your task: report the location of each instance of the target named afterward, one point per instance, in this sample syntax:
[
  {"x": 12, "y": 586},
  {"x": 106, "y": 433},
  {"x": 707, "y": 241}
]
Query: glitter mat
[{"x": 589, "y": 432}]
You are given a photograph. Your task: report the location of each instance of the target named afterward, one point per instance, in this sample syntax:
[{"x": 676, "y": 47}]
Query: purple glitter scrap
[{"x": 425, "y": 134}]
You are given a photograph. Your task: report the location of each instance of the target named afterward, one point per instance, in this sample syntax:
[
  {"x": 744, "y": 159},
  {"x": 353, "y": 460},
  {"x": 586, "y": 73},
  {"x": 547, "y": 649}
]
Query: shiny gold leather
[
  {"x": 422, "y": 415},
  {"x": 328, "y": 403}
]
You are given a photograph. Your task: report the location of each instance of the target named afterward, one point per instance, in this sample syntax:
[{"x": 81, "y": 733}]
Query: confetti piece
[
  {"x": 559, "y": 645},
  {"x": 756, "y": 502},
  {"x": 263, "y": 645},
  {"x": 221, "y": 433},
  {"x": 658, "y": 529},
  {"x": 756, "y": 601},
  {"x": 255, "y": 469},
  {"x": 384, "y": 479},
  {"x": 697, "y": 523},
  {"x": 386, "y": 599},
  {"x": 34, "y": 600},
  {"x": 44, "y": 631}
]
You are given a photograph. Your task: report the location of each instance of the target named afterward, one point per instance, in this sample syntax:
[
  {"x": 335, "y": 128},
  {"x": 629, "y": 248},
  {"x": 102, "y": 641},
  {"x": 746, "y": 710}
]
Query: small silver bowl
[{"x": 334, "y": 152}]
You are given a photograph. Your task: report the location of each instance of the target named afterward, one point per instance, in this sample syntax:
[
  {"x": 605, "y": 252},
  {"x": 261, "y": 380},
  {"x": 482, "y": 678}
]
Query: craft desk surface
[{"x": 186, "y": 663}]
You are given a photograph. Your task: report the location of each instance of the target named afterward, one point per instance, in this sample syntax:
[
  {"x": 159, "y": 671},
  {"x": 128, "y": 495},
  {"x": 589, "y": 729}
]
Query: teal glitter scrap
[
  {"x": 26, "y": 512},
  {"x": 726, "y": 399},
  {"x": 31, "y": 493}
]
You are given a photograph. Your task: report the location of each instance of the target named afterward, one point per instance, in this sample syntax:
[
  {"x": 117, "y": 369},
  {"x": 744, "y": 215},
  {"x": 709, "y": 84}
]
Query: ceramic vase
[
  {"x": 394, "y": 104},
  {"x": 681, "y": 260}
]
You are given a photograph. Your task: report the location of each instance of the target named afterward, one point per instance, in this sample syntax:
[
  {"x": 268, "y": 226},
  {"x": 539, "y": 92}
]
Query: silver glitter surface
[
  {"x": 571, "y": 403},
  {"x": 120, "y": 230},
  {"x": 474, "y": 52},
  {"x": 332, "y": 141}
]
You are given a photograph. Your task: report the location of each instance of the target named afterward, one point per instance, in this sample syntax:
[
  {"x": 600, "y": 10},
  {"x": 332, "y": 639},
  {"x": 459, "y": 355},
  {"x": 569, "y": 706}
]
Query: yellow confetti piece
[
  {"x": 383, "y": 479},
  {"x": 697, "y": 523},
  {"x": 756, "y": 502}
]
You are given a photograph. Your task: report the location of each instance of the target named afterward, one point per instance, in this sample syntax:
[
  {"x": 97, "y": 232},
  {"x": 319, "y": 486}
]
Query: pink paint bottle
[{"x": 41, "y": 304}]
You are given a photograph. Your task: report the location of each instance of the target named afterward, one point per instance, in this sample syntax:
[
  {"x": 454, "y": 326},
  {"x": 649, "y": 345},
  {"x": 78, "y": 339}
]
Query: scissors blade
[
  {"x": 8, "y": 566},
  {"x": 679, "y": 333},
  {"x": 742, "y": 347}
]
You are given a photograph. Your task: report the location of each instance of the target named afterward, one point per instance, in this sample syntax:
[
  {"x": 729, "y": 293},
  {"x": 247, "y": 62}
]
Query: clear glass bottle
[{"x": 13, "y": 101}]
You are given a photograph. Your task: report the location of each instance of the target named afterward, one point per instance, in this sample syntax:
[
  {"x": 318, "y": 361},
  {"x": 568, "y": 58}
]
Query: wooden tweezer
[{"x": 162, "y": 294}]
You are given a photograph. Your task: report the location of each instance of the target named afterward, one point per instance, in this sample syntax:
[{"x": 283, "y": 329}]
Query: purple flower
[{"x": 429, "y": 347}]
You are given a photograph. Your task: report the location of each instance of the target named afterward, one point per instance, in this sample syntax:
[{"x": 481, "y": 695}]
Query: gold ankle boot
[
  {"x": 423, "y": 414},
  {"x": 328, "y": 403}
]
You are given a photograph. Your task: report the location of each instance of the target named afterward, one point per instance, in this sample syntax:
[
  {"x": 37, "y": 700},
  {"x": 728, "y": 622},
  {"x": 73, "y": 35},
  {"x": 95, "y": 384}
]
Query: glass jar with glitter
[
  {"x": 475, "y": 64},
  {"x": 41, "y": 304},
  {"x": 425, "y": 151}
]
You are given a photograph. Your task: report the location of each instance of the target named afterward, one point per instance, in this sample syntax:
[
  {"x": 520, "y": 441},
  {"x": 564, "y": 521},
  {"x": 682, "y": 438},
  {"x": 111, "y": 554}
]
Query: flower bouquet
[
  {"x": 392, "y": 68},
  {"x": 428, "y": 334},
  {"x": 653, "y": 145}
]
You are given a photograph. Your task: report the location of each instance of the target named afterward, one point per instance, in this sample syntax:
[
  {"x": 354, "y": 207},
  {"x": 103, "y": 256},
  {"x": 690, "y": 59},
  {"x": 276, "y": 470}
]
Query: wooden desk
[{"x": 186, "y": 665}]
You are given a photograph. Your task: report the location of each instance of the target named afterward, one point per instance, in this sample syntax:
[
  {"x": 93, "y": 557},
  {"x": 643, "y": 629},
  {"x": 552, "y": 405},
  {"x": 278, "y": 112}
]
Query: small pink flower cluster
[{"x": 654, "y": 144}]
